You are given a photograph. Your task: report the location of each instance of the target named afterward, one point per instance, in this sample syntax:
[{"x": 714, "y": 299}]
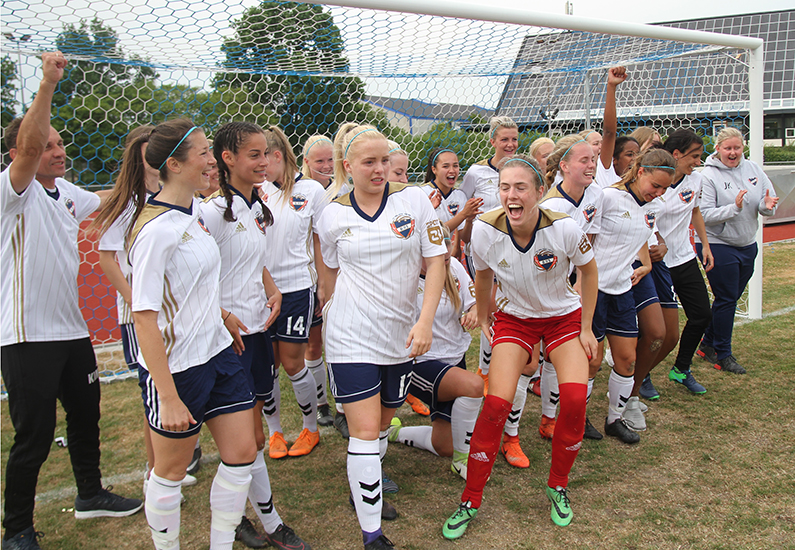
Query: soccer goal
[{"x": 429, "y": 75}]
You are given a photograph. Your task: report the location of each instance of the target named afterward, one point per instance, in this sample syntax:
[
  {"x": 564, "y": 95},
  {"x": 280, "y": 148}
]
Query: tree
[
  {"x": 8, "y": 90},
  {"x": 290, "y": 57},
  {"x": 109, "y": 65}
]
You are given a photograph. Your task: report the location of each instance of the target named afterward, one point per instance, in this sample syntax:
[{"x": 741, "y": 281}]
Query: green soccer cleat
[
  {"x": 456, "y": 525},
  {"x": 561, "y": 506},
  {"x": 394, "y": 429}
]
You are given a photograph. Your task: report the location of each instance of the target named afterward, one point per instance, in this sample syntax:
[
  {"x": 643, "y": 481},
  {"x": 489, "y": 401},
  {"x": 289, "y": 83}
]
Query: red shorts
[{"x": 528, "y": 332}]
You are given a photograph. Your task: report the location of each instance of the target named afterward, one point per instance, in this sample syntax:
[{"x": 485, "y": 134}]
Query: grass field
[{"x": 712, "y": 472}]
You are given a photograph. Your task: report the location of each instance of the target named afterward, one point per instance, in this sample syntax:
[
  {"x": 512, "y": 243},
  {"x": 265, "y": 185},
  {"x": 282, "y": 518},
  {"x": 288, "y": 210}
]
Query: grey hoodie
[{"x": 727, "y": 224}]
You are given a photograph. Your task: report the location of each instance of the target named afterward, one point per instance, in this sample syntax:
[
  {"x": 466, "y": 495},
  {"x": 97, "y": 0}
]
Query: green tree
[
  {"x": 290, "y": 57},
  {"x": 8, "y": 90}
]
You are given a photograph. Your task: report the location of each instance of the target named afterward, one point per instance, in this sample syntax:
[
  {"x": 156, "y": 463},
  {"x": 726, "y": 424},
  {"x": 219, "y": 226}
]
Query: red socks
[
  {"x": 568, "y": 433},
  {"x": 485, "y": 444}
]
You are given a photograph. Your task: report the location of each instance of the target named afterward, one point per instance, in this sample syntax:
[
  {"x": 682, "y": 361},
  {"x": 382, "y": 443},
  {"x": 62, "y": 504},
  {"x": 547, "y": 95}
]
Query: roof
[{"x": 414, "y": 108}]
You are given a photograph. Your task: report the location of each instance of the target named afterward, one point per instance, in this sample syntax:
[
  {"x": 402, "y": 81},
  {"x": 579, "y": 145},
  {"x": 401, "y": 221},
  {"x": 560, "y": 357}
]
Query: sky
[{"x": 620, "y": 10}]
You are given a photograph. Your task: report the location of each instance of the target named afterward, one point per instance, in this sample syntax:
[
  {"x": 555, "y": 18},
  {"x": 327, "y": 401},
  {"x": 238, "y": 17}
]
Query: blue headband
[
  {"x": 540, "y": 178},
  {"x": 660, "y": 167},
  {"x": 570, "y": 146},
  {"x": 314, "y": 143},
  {"x": 354, "y": 137},
  {"x": 395, "y": 150},
  {"x": 174, "y": 150},
  {"x": 436, "y": 156}
]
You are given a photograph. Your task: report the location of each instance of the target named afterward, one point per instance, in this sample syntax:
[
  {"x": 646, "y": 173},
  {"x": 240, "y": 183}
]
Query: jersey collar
[
  {"x": 154, "y": 202},
  {"x": 380, "y": 208},
  {"x": 523, "y": 250}
]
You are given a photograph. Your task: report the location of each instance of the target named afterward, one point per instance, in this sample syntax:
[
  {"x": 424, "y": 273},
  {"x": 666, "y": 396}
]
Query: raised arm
[{"x": 615, "y": 76}]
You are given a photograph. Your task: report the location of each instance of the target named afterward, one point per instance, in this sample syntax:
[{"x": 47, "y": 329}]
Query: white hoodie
[{"x": 727, "y": 224}]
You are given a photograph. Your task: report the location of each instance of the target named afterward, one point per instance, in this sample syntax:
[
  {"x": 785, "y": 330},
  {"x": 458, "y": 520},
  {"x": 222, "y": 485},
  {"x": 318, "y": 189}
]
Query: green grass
[{"x": 712, "y": 472}]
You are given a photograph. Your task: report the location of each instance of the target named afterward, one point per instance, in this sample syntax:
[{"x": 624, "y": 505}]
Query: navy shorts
[
  {"x": 661, "y": 276},
  {"x": 351, "y": 382},
  {"x": 644, "y": 292},
  {"x": 615, "y": 315},
  {"x": 129, "y": 343},
  {"x": 295, "y": 319},
  {"x": 425, "y": 386},
  {"x": 317, "y": 317},
  {"x": 217, "y": 387},
  {"x": 257, "y": 361}
]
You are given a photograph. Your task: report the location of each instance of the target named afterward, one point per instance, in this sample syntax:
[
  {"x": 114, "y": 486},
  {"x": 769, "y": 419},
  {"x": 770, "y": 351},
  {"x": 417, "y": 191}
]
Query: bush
[{"x": 780, "y": 155}]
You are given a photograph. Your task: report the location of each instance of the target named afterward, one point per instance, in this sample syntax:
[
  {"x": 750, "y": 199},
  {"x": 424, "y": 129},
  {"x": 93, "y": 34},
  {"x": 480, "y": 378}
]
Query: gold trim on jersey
[
  {"x": 344, "y": 200},
  {"x": 18, "y": 246},
  {"x": 170, "y": 308},
  {"x": 553, "y": 193},
  {"x": 484, "y": 162},
  {"x": 620, "y": 186},
  {"x": 149, "y": 213},
  {"x": 210, "y": 197},
  {"x": 499, "y": 220}
]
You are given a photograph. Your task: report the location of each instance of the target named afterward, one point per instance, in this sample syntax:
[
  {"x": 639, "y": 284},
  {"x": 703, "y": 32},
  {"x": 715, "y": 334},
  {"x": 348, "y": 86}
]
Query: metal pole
[
  {"x": 586, "y": 92},
  {"x": 756, "y": 73}
]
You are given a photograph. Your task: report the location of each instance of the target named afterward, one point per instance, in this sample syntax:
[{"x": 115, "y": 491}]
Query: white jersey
[
  {"x": 532, "y": 281},
  {"x": 450, "y": 340},
  {"x": 290, "y": 248},
  {"x": 176, "y": 266},
  {"x": 242, "y": 245},
  {"x": 451, "y": 204},
  {"x": 673, "y": 221},
  {"x": 587, "y": 212},
  {"x": 113, "y": 240},
  {"x": 482, "y": 181},
  {"x": 627, "y": 224},
  {"x": 605, "y": 177},
  {"x": 379, "y": 258},
  {"x": 40, "y": 261}
]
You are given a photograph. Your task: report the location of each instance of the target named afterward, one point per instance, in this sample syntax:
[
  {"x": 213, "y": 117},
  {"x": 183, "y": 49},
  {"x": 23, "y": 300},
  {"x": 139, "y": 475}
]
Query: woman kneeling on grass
[{"x": 530, "y": 251}]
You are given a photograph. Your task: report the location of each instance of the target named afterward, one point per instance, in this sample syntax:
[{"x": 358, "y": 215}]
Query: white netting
[{"x": 425, "y": 81}]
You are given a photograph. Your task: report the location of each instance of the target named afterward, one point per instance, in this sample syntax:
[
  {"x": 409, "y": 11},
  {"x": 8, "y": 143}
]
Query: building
[{"x": 417, "y": 117}]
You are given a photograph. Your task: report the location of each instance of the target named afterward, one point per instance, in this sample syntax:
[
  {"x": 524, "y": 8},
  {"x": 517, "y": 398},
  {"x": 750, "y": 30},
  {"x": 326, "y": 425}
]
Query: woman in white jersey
[
  {"x": 579, "y": 196},
  {"x": 628, "y": 221},
  {"x": 440, "y": 376},
  {"x": 374, "y": 239},
  {"x": 293, "y": 259},
  {"x": 237, "y": 220},
  {"x": 530, "y": 251},
  {"x": 734, "y": 192},
  {"x": 190, "y": 375},
  {"x": 540, "y": 150},
  {"x": 318, "y": 165},
  {"x": 677, "y": 270}
]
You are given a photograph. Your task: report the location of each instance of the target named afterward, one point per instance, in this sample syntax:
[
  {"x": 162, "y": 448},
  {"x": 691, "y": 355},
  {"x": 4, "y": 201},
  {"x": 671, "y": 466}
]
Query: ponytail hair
[
  {"x": 450, "y": 283},
  {"x": 277, "y": 141},
  {"x": 230, "y": 137},
  {"x": 650, "y": 160},
  {"x": 561, "y": 151},
  {"x": 130, "y": 183},
  {"x": 349, "y": 136}
]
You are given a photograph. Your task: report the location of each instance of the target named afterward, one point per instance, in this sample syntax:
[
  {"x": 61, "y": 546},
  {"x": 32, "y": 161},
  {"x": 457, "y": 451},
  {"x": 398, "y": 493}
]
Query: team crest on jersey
[
  {"x": 545, "y": 259},
  {"x": 650, "y": 217},
  {"x": 200, "y": 220},
  {"x": 298, "y": 202},
  {"x": 453, "y": 208},
  {"x": 70, "y": 206},
  {"x": 589, "y": 212},
  {"x": 753, "y": 181},
  {"x": 457, "y": 283},
  {"x": 260, "y": 221},
  {"x": 686, "y": 195},
  {"x": 403, "y": 226}
]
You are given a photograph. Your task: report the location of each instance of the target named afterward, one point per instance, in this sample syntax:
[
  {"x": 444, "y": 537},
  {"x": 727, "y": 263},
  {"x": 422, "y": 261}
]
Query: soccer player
[
  {"x": 46, "y": 350},
  {"x": 579, "y": 196},
  {"x": 734, "y": 192},
  {"x": 628, "y": 221},
  {"x": 238, "y": 220},
  {"x": 530, "y": 250},
  {"x": 440, "y": 377},
  {"x": 318, "y": 165},
  {"x": 374, "y": 239},
  {"x": 540, "y": 150},
  {"x": 293, "y": 259}
]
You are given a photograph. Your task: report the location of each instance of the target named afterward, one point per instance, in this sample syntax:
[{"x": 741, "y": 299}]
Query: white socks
[
  {"x": 163, "y": 498},
  {"x": 364, "y": 477},
  {"x": 620, "y": 388},
  {"x": 419, "y": 437},
  {"x": 512, "y": 424},
  {"x": 304, "y": 389},
  {"x": 550, "y": 392},
  {"x": 228, "y": 503},
  {"x": 261, "y": 497},
  {"x": 272, "y": 407},
  {"x": 462, "y": 421},
  {"x": 318, "y": 369},
  {"x": 485, "y": 354}
]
